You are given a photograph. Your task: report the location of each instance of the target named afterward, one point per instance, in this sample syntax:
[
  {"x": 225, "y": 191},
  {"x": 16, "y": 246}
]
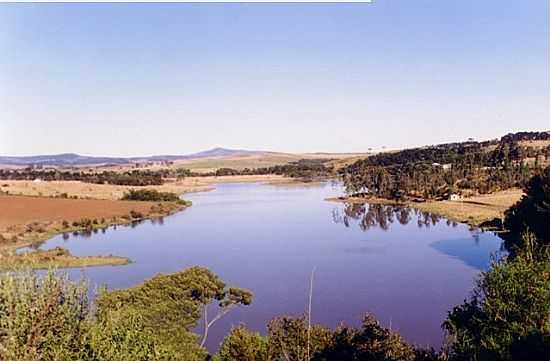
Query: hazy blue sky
[{"x": 137, "y": 79}]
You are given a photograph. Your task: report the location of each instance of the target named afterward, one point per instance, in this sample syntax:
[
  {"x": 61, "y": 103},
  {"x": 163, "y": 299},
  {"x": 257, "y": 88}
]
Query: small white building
[
  {"x": 37, "y": 180},
  {"x": 455, "y": 197}
]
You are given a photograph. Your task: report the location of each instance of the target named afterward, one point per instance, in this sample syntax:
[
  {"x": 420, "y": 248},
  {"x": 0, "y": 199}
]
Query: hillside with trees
[{"x": 436, "y": 172}]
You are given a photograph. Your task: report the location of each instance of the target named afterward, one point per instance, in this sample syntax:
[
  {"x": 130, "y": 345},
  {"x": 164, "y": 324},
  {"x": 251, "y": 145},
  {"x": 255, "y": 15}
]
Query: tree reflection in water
[{"x": 383, "y": 216}]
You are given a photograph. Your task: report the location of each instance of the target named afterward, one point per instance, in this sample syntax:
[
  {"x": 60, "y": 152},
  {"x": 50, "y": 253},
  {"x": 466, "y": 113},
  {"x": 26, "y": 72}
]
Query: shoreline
[
  {"x": 39, "y": 259},
  {"x": 473, "y": 211}
]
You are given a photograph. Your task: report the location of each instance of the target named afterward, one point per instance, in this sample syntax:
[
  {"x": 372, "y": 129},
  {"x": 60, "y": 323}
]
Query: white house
[{"x": 455, "y": 197}]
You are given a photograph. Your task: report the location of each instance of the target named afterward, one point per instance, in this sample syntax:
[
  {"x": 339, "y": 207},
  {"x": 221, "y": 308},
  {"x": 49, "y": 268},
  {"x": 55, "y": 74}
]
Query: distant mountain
[{"x": 72, "y": 159}]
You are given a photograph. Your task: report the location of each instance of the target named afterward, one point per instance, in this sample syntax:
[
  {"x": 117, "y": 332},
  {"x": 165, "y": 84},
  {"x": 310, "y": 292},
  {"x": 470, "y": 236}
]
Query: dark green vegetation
[
  {"x": 508, "y": 317},
  {"x": 531, "y": 213},
  {"x": 171, "y": 305},
  {"x": 132, "y": 178},
  {"x": 305, "y": 169},
  {"x": 436, "y": 172},
  {"x": 151, "y": 195}
]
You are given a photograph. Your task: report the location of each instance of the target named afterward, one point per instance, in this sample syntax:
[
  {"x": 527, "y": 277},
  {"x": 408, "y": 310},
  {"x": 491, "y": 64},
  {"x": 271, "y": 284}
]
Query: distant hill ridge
[{"x": 73, "y": 159}]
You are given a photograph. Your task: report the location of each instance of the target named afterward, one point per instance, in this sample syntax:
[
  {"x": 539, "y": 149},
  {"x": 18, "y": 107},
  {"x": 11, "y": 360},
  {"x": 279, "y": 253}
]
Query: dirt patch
[
  {"x": 26, "y": 210},
  {"x": 26, "y": 219}
]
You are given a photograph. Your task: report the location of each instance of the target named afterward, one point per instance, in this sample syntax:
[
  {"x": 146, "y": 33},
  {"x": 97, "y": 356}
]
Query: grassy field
[
  {"x": 474, "y": 210},
  {"x": 115, "y": 192},
  {"x": 57, "y": 257}
]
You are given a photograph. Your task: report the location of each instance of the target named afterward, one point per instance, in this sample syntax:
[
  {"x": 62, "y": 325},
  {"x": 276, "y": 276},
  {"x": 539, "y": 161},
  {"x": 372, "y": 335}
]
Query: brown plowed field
[{"x": 17, "y": 210}]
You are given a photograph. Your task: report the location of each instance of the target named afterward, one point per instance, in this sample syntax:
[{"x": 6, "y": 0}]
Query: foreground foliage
[
  {"x": 508, "y": 317},
  {"x": 50, "y": 318},
  {"x": 171, "y": 305},
  {"x": 288, "y": 339},
  {"x": 531, "y": 213}
]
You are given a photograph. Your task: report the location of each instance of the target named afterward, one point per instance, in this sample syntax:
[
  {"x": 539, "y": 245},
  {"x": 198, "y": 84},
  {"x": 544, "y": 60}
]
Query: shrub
[
  {"x": 123, "y": 336},
  {"x": 42, "y": 318},
  {"x": 243, "y": 345},
  {"x": 151, "y": 195},
  {"x": 508, "y": 317},
  {"x": 135, "y": 214},
  {"x": 85, "y": 223},
  {"x": 531, "y": 213}
]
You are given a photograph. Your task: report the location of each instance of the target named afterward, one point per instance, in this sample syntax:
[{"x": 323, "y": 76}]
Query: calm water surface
[{"x": 406, "y": 267}]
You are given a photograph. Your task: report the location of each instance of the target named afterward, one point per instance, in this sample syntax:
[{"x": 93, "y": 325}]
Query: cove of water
[{"x": 407, "y": 268}]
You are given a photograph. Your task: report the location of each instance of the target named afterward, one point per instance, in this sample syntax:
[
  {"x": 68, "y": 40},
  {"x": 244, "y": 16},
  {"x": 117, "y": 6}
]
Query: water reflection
[
  {"x": 476, "y": 251},
  {"x": 383, "y": 216}
]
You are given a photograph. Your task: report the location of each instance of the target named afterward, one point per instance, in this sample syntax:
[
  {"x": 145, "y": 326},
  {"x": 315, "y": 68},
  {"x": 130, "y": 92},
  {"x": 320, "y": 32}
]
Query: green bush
[
  {"x": 42, "y": 318},
  {"x": 151, "y": 195},
  {"x": 531, "y": 213},
  {"x": 243, "y": 345},
  {"x": 508, "y": 317},
  {"x": 123, "y": 336}
]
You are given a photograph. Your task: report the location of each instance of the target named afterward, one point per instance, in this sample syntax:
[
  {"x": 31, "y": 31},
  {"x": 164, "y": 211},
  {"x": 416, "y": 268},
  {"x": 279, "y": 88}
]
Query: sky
[{"x": 141, "y": 79}]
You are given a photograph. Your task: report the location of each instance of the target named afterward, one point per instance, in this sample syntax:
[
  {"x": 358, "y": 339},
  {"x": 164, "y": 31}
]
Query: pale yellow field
[
  {"x": 474, "y": 210},
  {"x": 114, "y": 192}
]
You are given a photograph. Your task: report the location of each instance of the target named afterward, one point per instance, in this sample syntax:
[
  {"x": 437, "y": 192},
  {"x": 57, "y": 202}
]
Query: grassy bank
[{"x": 57, "y": 258}]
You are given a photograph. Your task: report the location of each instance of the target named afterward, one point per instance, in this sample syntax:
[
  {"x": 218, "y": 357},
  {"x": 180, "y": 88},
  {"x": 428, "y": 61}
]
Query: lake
[{"x": 406, "y": 267}]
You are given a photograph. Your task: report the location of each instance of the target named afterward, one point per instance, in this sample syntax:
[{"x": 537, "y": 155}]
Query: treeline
[
  {"x": 130, "y": 178},
  {"x": 303, "y": 168},
  {"x": 435, "y": 172}
]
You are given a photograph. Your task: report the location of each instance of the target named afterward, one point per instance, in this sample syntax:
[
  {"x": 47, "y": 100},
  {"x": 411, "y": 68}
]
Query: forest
[{"x": 436, "y": 172}]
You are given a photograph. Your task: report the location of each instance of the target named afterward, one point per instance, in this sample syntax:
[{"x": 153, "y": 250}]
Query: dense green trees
[
  {"x": 130, "y": 178},
  {"x": 531, "y": 213},
  {"x": 435, "y": 172},
  {"x": 508, "y": 317},
  {"x": 287, "y": 340},
  {"x": 172, "y": 305},
  {"x": 150, "y": 195}
]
